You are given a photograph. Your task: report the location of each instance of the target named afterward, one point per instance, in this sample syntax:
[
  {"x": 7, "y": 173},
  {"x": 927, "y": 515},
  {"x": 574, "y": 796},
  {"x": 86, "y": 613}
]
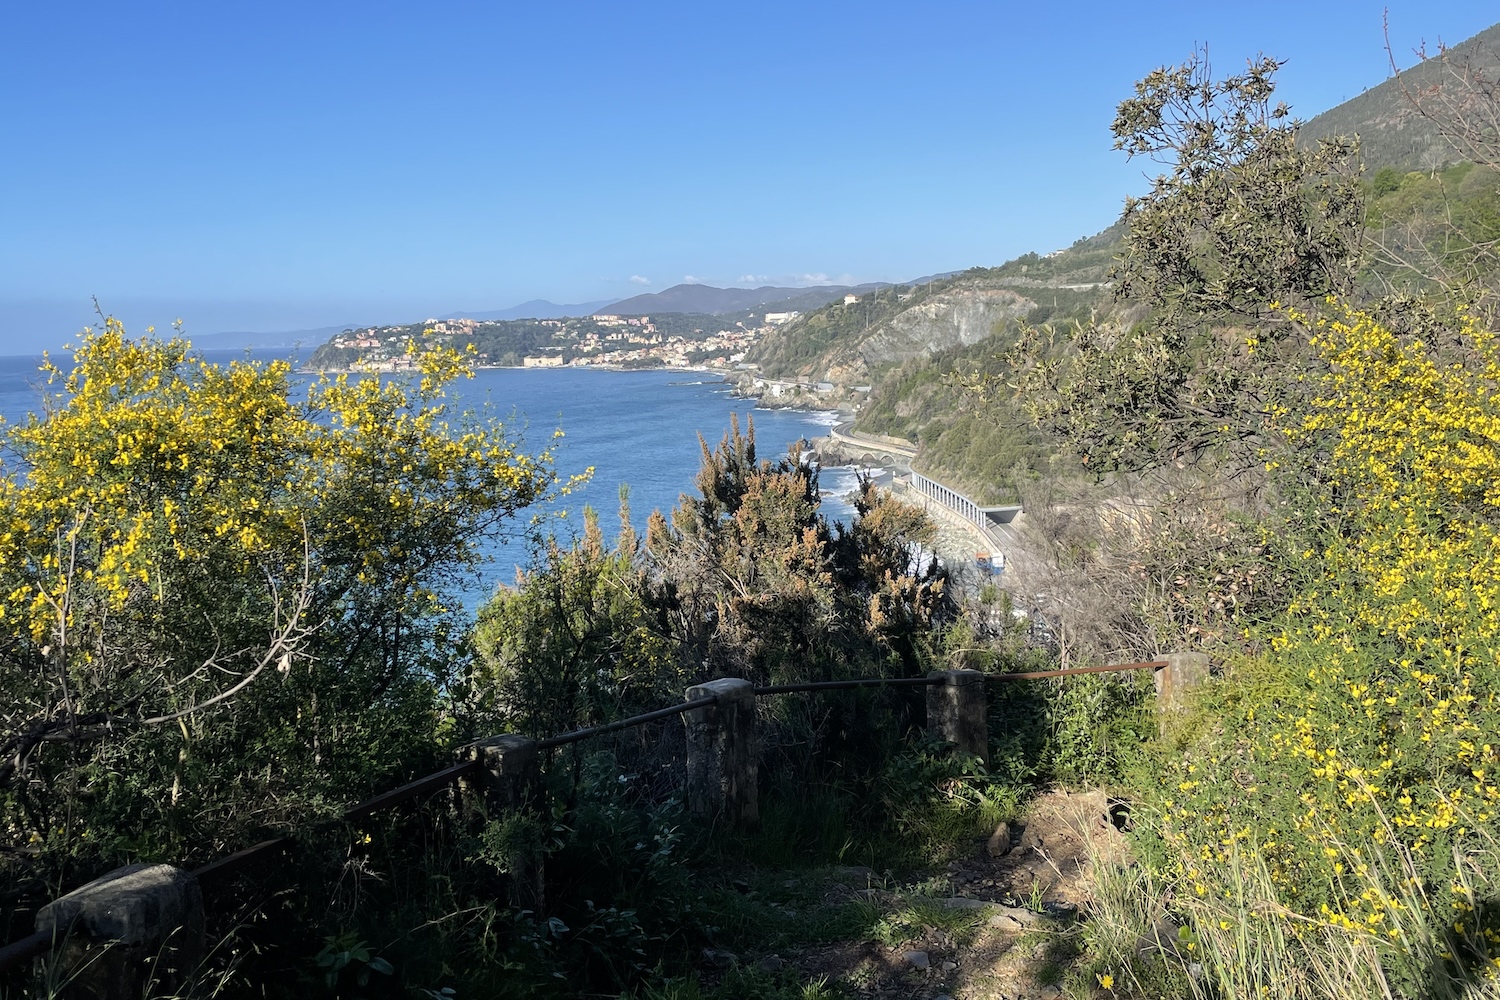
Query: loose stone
[{"x": 999, "y": 843}]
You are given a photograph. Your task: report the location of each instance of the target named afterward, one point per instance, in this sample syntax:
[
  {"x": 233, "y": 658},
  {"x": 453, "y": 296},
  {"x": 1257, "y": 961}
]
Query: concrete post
[
  {"x": 957, "y": 711},
  {"x": 512, "y": 775},
  {"x": 722, "y": 765},
  {"x": 132, "y": 933},
  {"x": 511, "y": 783},
  {"x": 1183, "y": 672}
]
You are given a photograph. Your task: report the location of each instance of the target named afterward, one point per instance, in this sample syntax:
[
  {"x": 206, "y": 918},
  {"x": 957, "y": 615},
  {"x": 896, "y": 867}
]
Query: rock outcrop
[{"x": 957, "y": 317}]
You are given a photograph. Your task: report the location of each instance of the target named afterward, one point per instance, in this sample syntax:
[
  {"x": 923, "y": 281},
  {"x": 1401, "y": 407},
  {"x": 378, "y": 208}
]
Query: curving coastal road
[{"x": 959, "y": 540}]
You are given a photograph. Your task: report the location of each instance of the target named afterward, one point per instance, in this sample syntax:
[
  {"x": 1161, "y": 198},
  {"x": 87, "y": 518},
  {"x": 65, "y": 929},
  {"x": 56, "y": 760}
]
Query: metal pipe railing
[
  {"x": 1112, "y": 668},
  {"x": 20, "y": 952},
  {"x": 579, "y": 735},
  {"x": 402, "y": 793}
]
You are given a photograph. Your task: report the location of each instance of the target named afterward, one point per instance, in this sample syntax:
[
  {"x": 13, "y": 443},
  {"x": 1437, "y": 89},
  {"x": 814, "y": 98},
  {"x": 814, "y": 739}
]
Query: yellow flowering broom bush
[
  {"x": 223, "y": 592},
  {"x": 1358, "y": 758}
]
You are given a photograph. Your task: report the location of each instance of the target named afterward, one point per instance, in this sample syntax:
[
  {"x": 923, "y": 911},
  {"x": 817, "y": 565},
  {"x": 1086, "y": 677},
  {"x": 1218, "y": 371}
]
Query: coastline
[
  {"x": 742, "y": 383},
  {"x": 743, "y": 386},
  {"x": 363, "y": 370}
]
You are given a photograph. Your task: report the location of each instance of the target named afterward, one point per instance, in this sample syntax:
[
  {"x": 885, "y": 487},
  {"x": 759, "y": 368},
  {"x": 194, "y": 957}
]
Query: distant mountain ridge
[
  {"x": 695, "y": 298},
  {"x": 535, "y": 309},
  {"x": 684, "y": 298}
]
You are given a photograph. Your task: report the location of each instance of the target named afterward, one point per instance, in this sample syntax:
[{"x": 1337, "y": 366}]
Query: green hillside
[
  {"x": 1427, "y": 226},
  {"x": 859, "y": 341},
  {"x": 1391, "y": 130},
  {"x": 807, "y": 344},
  {"x": 984, "y": 453},
  {"x": 1394, "y": 139},
  {"x": 910, "y": 343}
]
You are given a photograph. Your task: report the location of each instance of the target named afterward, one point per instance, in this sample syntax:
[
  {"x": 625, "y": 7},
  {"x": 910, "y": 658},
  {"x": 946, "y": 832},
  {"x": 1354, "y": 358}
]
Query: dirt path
[{"x": 992, "y": 926}]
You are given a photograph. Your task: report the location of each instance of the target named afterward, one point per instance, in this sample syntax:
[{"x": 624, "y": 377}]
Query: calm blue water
[{"x": 635, "y": 428}]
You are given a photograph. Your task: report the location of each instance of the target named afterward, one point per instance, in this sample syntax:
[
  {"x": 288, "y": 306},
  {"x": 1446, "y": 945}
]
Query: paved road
[
  {"x": 844, "y": 434},
  {"x": 959, "y": 540}
]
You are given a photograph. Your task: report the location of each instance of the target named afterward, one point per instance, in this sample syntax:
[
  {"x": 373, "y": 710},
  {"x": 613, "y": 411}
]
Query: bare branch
[{"x": 287, "y": 638}]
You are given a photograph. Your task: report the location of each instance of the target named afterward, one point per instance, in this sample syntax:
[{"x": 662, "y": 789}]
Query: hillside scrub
[
  {"x": 987, "y": 452},
  {"x": 227, "y": 613},
  {"x": 744, "y": 578},
  {"x": 225, "y": 491},
  {"x": 1435, "y": 235}
]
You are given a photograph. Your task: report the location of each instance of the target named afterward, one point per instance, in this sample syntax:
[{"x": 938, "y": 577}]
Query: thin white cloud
[
  {"x": 813, "y": 279},
  {"x": 636, "y": 279},
  {"x": 688, "y": 279},
  {"x": 753, "y": 279}
]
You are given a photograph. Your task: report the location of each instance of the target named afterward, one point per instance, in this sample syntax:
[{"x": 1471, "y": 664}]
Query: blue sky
[{"x": 277, "y": 166}]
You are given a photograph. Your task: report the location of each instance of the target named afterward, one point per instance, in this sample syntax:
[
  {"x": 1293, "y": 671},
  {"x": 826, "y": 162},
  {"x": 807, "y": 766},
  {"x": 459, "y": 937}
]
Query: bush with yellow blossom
[
  {"x": 224, "y": 592},
  {"x": 1358, "y": 757}
]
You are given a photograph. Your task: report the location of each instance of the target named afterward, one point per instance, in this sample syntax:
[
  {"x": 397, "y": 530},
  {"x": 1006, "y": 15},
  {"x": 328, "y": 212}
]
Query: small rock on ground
[
  {"x": 999, "y": 843},
  {"x": 963, "y": 903},
  {"x": 1011, "y": 917},
  {"x": 719, "y": 958}
]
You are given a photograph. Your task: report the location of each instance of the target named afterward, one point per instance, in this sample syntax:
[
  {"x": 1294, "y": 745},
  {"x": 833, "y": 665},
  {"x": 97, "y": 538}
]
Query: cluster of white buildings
[
  {"x": 606, "y": 340},
  {"x": 721, "y": 349}
]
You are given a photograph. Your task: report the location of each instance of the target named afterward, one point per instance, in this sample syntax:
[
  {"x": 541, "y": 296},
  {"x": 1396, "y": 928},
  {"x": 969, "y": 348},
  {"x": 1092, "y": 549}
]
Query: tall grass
[{"x": 1224, "y": 934}]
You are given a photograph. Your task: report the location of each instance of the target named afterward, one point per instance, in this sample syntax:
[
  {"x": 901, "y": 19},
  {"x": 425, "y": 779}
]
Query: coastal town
[{"x": 603, "y": 340}]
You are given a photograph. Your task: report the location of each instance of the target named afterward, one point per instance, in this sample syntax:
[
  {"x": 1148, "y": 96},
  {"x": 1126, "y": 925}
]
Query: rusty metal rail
[
  {"x": 19, "y": 952},
  {"x": 411, "y": 790},
  {"x": 578, "y": 735},
  {"x": 1036, "y": 675},
  {"x": 25, "y": 949},
  {"x": 232, "y": 863}
]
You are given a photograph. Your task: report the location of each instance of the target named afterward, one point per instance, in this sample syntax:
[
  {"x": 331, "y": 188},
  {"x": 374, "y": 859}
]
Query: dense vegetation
[
  {"x": 988, "y": 453},
  {"x": 228, "y": 604}
]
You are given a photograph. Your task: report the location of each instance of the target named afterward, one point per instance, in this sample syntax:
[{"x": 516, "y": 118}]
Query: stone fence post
[
  {"x": 510, "y": 783},
  {"x": 511, "y": 776},
  {"x": 958, "y": 712},
  {"x": 721, "y": 748},
  {"x": 132, "y": 933},
  {"x": 1183, "y": 672}
]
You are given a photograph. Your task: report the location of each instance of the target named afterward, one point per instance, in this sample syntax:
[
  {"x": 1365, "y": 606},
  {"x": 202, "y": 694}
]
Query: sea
[{"x": 638, "y": 429}]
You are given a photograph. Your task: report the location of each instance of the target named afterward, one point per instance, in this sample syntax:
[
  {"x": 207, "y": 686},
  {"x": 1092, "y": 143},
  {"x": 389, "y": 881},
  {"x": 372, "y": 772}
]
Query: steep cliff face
[
  {"x": 957, "y": 317},
  {"x": 853, "y": 343}
]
